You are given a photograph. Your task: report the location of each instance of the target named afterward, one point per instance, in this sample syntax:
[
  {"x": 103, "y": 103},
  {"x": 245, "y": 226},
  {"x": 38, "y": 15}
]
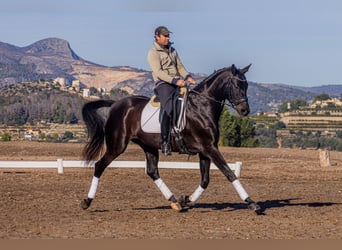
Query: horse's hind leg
[
  {"x": 152, "y": 158},
  {"x": 100, "y": 166}
]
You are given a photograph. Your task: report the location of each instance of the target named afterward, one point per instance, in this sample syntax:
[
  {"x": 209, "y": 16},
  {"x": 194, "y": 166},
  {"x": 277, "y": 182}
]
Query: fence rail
[{"x": 60, "y": 164}]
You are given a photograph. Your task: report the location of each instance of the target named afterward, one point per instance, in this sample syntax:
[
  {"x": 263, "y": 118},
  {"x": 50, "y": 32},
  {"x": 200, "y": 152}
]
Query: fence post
[
  {"x": 238, "y": 169},
  {"x": 60, "y": 169},
  {"x": 324, "y": 158}
]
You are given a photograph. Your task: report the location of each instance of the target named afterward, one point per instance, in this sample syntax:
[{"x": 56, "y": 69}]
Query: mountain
[
  {"x": 332, "y": 90},
  {"x": 268, "y": 97},
  {"x": 47, "y": 58},
  {"x": 53, "y": 57}
]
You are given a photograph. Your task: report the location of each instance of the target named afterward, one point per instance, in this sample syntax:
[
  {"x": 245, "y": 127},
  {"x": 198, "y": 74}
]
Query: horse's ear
[
  {"x": 245, "y": 69},
  {"x": 234, "y": 69}
]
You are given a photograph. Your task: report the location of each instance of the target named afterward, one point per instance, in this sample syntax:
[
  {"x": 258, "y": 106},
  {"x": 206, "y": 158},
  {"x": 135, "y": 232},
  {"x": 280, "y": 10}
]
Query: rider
[{"x": 168, "y": 74}]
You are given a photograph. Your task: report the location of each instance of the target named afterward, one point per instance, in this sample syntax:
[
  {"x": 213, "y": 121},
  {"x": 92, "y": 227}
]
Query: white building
[
  {"x": 62, "y": 81},
  {"x": 86, "y": 92}
]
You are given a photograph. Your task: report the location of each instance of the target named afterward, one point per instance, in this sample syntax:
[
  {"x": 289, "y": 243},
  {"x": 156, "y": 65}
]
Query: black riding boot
[{"x": 165, "y": 128}]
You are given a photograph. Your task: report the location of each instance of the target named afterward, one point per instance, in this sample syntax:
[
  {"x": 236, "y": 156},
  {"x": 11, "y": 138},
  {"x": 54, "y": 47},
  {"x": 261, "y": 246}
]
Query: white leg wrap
[
  {"x": 163, "y": 188},
  {"x": 93, "y": 187},
  {"x": 195, "y": 195},
  {"x": 240, "y": 190}
]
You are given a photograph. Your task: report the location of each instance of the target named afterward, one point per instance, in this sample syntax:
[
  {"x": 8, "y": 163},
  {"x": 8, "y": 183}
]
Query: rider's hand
[
  {"x": 191, "y": 80},
  {"x": 180, "y": 83}
]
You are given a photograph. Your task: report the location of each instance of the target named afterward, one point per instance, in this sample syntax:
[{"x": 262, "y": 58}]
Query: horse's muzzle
[{"x": 242, "y": 108}]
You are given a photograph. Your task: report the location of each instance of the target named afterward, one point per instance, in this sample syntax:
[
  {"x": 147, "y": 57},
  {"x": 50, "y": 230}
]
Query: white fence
[{"x": 60, "y": 164}]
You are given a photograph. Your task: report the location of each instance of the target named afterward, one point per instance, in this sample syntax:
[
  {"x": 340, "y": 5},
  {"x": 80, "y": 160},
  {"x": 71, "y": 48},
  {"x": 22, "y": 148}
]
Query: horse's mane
[{"x": 209, "y": 79}]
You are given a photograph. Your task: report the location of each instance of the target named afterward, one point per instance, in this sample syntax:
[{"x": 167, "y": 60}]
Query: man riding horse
[
  {"x": 168, "y": 74},
  {"x": 108, "y": 138}
]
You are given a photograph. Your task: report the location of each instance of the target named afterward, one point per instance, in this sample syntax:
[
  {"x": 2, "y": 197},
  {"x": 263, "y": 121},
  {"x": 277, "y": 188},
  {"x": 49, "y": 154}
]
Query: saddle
[{"x": 151, "y": 116}]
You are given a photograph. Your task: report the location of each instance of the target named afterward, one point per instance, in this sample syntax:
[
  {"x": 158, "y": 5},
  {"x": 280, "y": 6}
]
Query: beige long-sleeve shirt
[{"x": 165, "y": 64}]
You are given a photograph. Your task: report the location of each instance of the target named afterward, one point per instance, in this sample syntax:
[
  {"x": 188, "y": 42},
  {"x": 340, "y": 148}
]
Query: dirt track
[{"x": 301, "y": 200}]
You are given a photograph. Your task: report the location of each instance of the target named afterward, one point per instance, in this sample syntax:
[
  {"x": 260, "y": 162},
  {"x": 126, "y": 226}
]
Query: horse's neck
[
  {"x": 211, "y": 95},
  {"x": 215, "y": 88}
]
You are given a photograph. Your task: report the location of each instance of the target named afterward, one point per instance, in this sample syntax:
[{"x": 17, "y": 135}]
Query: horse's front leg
[
  {"x": 220, "y": 162},
  {"x": 152, "y": 159},
  {"x": 189, "y": 201}
]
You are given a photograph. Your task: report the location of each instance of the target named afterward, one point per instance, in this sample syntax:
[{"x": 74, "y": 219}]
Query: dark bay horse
[{"x": 201, "y": 133}]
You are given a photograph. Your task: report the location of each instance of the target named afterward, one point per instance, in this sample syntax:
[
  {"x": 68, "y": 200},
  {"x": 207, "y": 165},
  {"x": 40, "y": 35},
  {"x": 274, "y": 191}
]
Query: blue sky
[{"x": 292, "y": 42}]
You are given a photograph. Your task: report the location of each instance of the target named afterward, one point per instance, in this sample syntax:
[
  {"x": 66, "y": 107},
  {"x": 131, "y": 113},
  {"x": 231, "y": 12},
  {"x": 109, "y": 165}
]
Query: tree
[
  {"x": 247, "y": 133},
  {"x": 42, "y": 136},
  {"x": 52, "y": 137},
  {"x": 68, "y": 135},
  {"x": 267, "y": 136},
  {"x": 93, "y": 91},
  {"x": 339, "y": 134},
  {"x": 236, "y": 131},
  {"x": 233, "y": 133},
  {"x": 298, "y": 103},
  {"x": 283, "y": 107},
  {"x": 280, "y": 125},
  {"x": 228, "y": 129},
  {"x": 322, "y": 97},
  {"x": 24, "y": 103},
  {"x": 6, "y": 137}
]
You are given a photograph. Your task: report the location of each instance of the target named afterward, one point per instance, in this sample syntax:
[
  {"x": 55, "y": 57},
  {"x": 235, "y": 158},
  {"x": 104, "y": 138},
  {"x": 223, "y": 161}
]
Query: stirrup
[
  {"x": 182, "y": 148},
  {"x": 166, "y": 148}
]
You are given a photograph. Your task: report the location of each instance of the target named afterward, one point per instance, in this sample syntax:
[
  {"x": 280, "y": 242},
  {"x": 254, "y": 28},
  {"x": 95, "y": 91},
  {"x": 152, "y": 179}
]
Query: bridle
[
  {"x": 232, "y": 103},
  {"x": 230, "y": 98}
]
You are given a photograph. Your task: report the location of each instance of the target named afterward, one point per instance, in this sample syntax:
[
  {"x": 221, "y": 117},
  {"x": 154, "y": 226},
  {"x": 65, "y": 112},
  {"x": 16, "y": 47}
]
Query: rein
[{"x": 210, "y": 98}]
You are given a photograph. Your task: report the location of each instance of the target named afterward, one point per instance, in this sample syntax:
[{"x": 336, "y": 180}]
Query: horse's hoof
[
  {"x": 176, "y": 206},
  {"x": 86, "y": 203},
  {"x": 185, "y": 201},
  {"x": 255, "y": 207}
]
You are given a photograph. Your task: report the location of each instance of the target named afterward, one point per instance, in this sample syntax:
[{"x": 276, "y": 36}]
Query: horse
[{"x": 201, "y": 133}]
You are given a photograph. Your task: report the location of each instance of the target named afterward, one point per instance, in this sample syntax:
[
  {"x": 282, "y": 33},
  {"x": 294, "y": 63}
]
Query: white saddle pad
[{"x": 150, "y": 119}]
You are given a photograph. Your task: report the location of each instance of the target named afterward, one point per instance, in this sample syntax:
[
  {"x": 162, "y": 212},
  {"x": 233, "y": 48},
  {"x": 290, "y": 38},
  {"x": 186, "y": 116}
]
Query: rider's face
[{"x": 162, "y": 39}]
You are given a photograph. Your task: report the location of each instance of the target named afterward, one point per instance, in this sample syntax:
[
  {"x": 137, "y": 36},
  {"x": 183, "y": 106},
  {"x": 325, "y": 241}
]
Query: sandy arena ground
[{"x": 301, "y": 200}]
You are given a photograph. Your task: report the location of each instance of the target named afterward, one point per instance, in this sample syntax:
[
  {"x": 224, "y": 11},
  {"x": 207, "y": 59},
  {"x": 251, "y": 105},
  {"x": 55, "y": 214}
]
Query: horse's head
[{"x": 236, "y": 92}]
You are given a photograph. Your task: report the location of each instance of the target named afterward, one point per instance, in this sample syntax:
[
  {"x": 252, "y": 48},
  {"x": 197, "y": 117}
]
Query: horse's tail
[{"x": 95, "y": 127}]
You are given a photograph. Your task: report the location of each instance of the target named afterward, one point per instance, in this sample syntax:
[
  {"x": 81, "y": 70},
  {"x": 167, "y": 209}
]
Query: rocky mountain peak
[{"x": 51, "y": 46}]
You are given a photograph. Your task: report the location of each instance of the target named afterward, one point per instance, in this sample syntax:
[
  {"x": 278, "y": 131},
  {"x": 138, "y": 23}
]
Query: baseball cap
[{"x": 162, "y": 30}]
